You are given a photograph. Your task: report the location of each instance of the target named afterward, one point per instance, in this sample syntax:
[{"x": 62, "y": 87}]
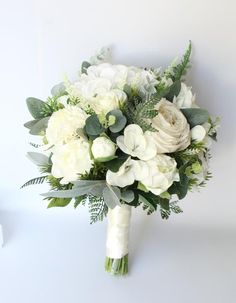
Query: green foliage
[
  {"x": 36, "y": 107},
  {"x": 80, "y": 200},
  {"x": 173, "y": 207},
  {"x": 195, "y": 116},
  {"x": 85, "y": 65},
  {"x": 58, "y": 202},
  {"x": 115, "y": 164},
  {"x": 93, "y": 127},
  {"x": 58, "y": 90},
  {"x": 176, "y": 71},
  {"x": 120, "y": 120},
  {"x": 139, "y": 111},
  {"x": 56, "y": 185},
  {"x": 97, "y": 208},
  {"x": 174, "y": 90},
  {"x": 97, "y": 172},
  {"x": 38, "y": 180}
]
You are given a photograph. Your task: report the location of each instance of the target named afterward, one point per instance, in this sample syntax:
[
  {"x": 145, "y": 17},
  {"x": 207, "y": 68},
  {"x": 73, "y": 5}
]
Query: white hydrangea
[
  {"x": 70, "y": 160},
  {"x": 64, "y": 125}
]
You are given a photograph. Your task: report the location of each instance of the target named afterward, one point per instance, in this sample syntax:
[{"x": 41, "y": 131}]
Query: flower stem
[{"x": 117, "y": 266}]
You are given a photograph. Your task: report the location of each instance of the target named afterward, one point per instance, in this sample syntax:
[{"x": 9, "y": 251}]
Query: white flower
[
  {"x": 108, "y": 101},
  {"x": 185, "y": 98},
  {"x": 71, "y": 159},
  {"x": 103, "y": 148},
  {"x": 173, "y": 131},
  {"x": 141, "y": 80},
  {"x": 136, "y": 143},
  {"x": 198, "y": 133},
  {"x": 64, "y": 125},
  {"x": 115, "y": 74},
  {"x": 130, "y": 171},
  {"x": 162, "y": 173},
  {"x": 101, "y": 55}
]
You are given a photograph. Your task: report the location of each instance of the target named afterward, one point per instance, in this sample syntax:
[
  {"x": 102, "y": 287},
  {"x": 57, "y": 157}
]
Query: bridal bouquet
[{"x": 120, "y": 137}]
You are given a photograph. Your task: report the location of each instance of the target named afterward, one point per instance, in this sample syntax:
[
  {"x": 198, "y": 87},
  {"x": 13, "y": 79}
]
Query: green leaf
[
  {"x": 164, "y": 203},
  {"x": 58, "y": 202},
  {"x": 112, "y": 196},
  {"x": 85, "y": 65},
  {"x": 147, "y": 204},
  {"x": 38, "y": 158},
  {"x": 58, "y": 90},
  {"x": 106, "y": 159},
  {"x": 78, "y": 200},
  {"x": 173, "y": 90},
  {"x": 31, "y": 123},
  {"x": 93, "y": 127},
  {"x": 39, "y": 126},
  {"x": 120, "y": 120},
  {"x": 195, "y": 116},
  {"x": 115, "y": 164},
  {"x": 127, "y": 196},
  {"x": 36, "y": 107}
]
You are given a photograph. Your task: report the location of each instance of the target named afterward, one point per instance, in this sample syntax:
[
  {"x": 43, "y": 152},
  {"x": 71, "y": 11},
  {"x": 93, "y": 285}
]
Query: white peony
[
  {"x": 173, "y": 130},
  {"x": 71, "y": 159},
  {"x": 64, "y": 124},
  {"x": 162, "y": 173},
  {"x": 136, "y": 143},
  {"x": 185, "y": 98},
  {"x": 103, "y": 148},
  {"x": 129, "y": 172}
]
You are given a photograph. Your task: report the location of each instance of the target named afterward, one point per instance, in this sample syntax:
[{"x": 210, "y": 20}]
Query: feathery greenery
[
  {"x": 97, "y": 208},
  {"x": 38, "y": 180}
]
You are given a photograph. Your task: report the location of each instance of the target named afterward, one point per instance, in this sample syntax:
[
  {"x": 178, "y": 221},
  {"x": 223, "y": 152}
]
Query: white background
[{"x": 55, "y": 255}]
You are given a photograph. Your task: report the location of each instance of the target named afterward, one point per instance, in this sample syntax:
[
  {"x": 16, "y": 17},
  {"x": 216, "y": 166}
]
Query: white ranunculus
[
  {"x": 185, "y": 98},
  {"x": 64, "y": 125},
  {"x": 136, "y": 143},
  {"x": 162, "y": 173},
  {"x": 70, "y": 160},
  {"x": 173, "y": 130},
  {"x": 108, "y": 101},
  {"x": 103, "y": 148},
  {"x": 129, "y": 172}
]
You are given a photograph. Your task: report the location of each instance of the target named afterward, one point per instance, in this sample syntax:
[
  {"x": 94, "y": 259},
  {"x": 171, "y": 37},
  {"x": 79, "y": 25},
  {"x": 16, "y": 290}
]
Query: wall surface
[{"x": 55, "y": 255}]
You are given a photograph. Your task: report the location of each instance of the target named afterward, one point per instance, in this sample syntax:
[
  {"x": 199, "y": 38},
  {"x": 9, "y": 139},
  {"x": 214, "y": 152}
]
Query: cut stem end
[{"x": 117, "y": 267}]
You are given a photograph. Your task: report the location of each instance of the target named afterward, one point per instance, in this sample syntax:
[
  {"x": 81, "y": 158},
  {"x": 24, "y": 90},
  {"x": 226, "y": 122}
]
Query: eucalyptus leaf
[
  {"x": 127, "y": 196},
  {"x": 85, "y": 65},
  {"x": 58, "y": 89},
  {"x": 195, "y": 116},
  {"x": 70, "y": 193},
  {"x": 92, "y": 126},
  {"x": 36, "y": 107},
  {"x": 38, "y": 158},
  {"x": 120, "y": 120},
  {"x": 112, "y": 196},
  {"x": 31, "y": 123},
  {"x": 39, "y": 126}
]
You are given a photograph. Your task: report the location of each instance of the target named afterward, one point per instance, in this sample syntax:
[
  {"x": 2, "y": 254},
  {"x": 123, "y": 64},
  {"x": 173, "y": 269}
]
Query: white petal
[{"x": 198, "y": 133}]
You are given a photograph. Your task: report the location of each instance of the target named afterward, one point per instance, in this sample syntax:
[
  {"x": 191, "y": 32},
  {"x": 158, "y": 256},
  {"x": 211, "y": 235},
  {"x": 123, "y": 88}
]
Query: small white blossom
[
  {"x": 103, "y": 148},
  {"x": 185, "y": 98}
]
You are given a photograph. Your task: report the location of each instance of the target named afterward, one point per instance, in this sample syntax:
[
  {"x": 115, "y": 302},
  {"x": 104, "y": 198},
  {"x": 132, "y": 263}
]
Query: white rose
[
  {"x": 199, "y": 133},
  {"x": 185, "y": 98},
  {"x": 162, "y": 173},
  {"x": 103, "y": 103},
  {"x": 64, "y": 124},
  {"x": 173, "y": 131},
  {"x": 136, "y": 143},
  {"x": 103, "y": 148},
  {"x": 70, "y": 160},
  {"x": 129, "y": 172}
]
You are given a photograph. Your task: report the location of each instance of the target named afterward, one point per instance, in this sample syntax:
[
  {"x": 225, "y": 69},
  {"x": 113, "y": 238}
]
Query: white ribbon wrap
[{"x": 118, "y": 231}]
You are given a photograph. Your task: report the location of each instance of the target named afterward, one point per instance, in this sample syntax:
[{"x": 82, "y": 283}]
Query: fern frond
[
  {"x": 34, "y": 181},
  {"x": 35, "y": 145},
  {"x": 97, "y": 208},
  {"x": 179, "y": 70}
]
